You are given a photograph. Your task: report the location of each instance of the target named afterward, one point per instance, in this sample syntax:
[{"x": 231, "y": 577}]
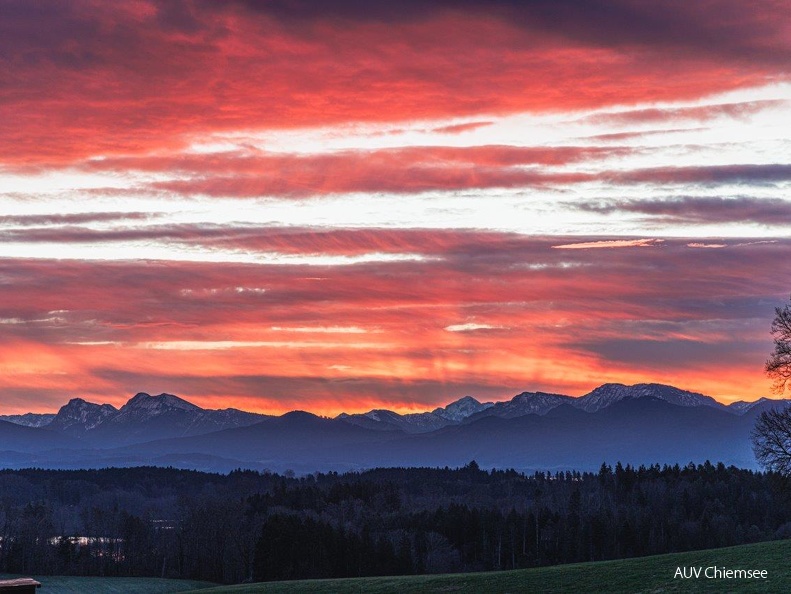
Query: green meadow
[
  {"x": 64, "y": 584},
  {"x": 630, "y": 576},
  {"x": 646, "y": 575}
]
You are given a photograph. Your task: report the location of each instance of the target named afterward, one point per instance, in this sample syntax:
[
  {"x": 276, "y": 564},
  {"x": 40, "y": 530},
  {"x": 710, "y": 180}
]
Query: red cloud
[
  {"x": 91, "y": 78},
  {"x": 412, "y": 169}
]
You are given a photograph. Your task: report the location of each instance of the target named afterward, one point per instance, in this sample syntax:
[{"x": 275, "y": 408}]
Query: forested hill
[{"x": 260, "y": 526}]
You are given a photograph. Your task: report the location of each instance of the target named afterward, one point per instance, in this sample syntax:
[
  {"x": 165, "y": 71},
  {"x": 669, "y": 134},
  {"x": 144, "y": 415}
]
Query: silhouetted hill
[
  {"x": 637, "y": 431},
  {"x": 19, "y": 438},
  {"x": 297, "y": 440}
]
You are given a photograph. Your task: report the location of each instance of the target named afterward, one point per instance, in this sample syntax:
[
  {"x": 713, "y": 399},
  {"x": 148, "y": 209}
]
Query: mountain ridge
[
  {"x": 607, "y": 394},
  {"x": 86, "y": 415},
  {"x": 640, "y": 424},
  {"x": 387, "y": 420},
  {"x": 143, "y": 418}
]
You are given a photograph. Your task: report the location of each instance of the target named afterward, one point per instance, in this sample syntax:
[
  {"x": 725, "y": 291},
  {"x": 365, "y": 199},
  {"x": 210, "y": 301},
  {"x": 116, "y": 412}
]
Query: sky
[{"x": 345, "y": 205}]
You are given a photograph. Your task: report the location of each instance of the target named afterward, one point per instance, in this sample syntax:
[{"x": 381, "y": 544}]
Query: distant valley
[{"x": 640, "y": 424}]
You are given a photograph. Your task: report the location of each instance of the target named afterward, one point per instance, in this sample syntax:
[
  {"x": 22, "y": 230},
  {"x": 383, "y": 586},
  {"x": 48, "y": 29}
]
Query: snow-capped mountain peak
[
  {"x": 526, "y": 403},
  {"x": 380, "y": 414},
  {"x": 383, "y": 419},
  {"x": 29, "y": 419},
  {"x": 461, "y": 409},
  {"x": 608, "y": 394},
  {"x": 742, "y": 406},
  {"x": 83, "y": 414},
  {"x": 155, "y": 404},
  {"x": 758, "y": 406},
  {"x": 144, "y": 417}
]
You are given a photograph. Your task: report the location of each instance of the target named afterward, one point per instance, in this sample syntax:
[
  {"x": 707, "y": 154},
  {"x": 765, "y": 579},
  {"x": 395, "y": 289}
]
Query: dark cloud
[
  {"x": 720, "y": 27},
  {"x": 693, "y": 210},
  {"x": 64, "y": 233},
  {"x": 677, "y": 354},
  {"x": 708, "y": 174},
  {"x": 352, "y": 394},
  {"x": 620, "y": 137},
  {"x": 74, "y": 219},
  {"x": 701, "y": 113},
  {"x": 39, "y": 399}
]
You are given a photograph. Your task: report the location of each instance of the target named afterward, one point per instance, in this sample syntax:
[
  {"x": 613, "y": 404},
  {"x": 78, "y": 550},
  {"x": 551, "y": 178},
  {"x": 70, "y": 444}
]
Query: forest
[{"x": 253, "y": 526}]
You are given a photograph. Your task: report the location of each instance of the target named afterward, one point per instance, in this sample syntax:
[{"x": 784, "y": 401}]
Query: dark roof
[{"x": 19, "y": 585}]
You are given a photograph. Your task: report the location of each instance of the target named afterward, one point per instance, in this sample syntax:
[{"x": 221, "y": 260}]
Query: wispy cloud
[
  {"x": 470, "y": 327},
  {"x": 698, "y": 113},
  {"x": 697, "y": 244}
]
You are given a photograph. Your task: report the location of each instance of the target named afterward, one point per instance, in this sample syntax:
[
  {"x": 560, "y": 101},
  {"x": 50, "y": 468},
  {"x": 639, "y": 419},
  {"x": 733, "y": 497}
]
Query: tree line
[{"x": 251, "y": 526}]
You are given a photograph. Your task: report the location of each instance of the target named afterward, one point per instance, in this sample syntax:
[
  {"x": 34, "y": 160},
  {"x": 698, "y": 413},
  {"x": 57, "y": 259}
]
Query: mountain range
[
  {"x": 143, "y": 418},
  {"x": 640, "y": 424}
]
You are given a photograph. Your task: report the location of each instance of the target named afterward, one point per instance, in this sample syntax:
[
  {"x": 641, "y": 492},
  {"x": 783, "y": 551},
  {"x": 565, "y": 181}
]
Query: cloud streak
[
  {"x": 701, "y": 210},
  {"x": 403, "y": 170},
  {"x": 468, "y": 326},
  {"x": 703, "y": 113}
]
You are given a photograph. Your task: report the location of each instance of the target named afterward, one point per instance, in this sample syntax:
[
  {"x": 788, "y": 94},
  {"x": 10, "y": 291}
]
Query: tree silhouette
[
  {"x": 771, "y": 439},
  {"x": 778, "y": 366},
  {"x": 771, "y": 435}
]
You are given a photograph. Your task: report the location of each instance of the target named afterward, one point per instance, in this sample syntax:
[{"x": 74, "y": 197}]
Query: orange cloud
[
  {"x": 610, "y": 243},
  {"x": 275, "y": 337}
]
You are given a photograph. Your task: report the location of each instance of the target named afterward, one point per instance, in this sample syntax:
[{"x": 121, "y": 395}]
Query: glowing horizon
[{"x": 334, "y": 208}]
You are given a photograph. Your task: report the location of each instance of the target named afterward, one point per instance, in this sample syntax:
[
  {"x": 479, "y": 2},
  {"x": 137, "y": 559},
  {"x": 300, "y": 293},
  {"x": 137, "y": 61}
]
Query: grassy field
[
  {"x": 99, "y": 585},
  {"x": 645, "y": 575}
]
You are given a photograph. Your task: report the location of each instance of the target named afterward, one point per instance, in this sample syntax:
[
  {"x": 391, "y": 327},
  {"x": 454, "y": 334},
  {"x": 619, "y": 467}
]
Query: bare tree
[
  {"x": 778, "y": 366},
  {"x": 771, "y": 439},
  {"x": 771, "y": 435}
]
